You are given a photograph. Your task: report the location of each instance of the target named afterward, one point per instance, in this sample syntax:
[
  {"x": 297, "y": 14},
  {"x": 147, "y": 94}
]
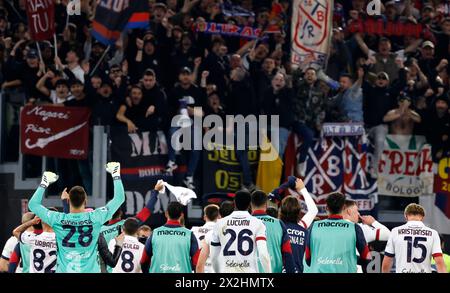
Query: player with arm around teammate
[{"x": 42, "y": 257}]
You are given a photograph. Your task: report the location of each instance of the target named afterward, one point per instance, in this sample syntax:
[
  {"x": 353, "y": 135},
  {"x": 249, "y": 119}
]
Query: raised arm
[
  {"x": 362, "y": 45},
  {"x": 311, "y": 214},
  {"x": 22, "y": 228},
  {"x": 40, "y": 85},
  {"x": 146, "y": 211},
  {"x": 35, "y": 203},
  {"x": 119, "y": 192},
  {"x": 392, "y": 116}
]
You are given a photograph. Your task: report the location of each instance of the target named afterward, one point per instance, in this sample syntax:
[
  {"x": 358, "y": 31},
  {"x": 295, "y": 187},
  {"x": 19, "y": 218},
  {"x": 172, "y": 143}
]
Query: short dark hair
[
  {"x": 272, "y": 211},
  {"x": 348, "y": 75},
  {"x": 335, "y": 203},
  {"x": 175, "y": 210},
  {"x": 349, "y": 203},
  {"x": 77, "y": 196},
  {"x": 242, "y": 200},
  {"x": 259, "y": 198},
  {"x": 290, "y": 209},
  {"x": 131, "y": 226},
  {"x": 211, "y": 212},
  {"x": 226, "y": 208}
]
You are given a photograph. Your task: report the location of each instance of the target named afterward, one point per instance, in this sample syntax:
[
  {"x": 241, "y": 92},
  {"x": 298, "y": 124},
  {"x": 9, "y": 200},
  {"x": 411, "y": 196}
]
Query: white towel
[{"x": 182, "y": 194}]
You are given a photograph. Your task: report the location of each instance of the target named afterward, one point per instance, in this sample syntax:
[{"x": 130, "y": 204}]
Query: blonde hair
[{"x": 414, "y": 209}]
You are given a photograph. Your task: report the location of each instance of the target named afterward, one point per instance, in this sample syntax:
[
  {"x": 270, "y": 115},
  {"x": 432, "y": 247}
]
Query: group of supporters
[
  {"x": 392, "y": 84},
  {"x": 238, "y": 237}
]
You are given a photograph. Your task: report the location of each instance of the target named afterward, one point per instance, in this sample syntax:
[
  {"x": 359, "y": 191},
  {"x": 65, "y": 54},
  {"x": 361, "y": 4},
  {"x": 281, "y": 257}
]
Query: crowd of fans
[{"x": 393, "y": 84}]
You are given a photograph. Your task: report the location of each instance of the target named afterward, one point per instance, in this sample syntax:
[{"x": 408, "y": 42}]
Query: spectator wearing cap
[
  {"x": 93, "y": 52},
  {"x": 185, "y": 93},
  {"x": 429, "y": 64},
  {"x": 340, "y": 56},
  {"x": 60, "y": 93},
  {"x": 378, "y": 98},
  {"x": 438, "y": 122},
  {"x": 385, "y": 60},
  {"x": 183, "y": 55},
  {"x": 427, "y": 14},
  {"x": 24, "y": 73},
  {"x": 403, "y": 118}
]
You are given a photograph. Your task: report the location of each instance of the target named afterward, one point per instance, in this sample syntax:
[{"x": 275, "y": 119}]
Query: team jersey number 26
[
  {"x": 84, "y": 235},
  {"x": 244, "y": 236}
]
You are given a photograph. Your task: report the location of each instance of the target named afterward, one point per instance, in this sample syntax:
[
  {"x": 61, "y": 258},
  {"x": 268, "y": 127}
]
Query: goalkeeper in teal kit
[{"x": 77, "y": 232}]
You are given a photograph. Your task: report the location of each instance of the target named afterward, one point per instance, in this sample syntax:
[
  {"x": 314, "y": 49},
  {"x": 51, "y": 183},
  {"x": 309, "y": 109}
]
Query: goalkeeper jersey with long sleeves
[{"x": 77, "y": 233}]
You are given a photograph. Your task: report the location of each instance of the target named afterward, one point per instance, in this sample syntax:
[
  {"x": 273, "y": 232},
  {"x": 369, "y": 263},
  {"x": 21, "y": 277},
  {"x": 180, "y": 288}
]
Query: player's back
[
  {"x": 43, "y": 253},
  {"x": 129, "y": 260},
  {"x": 274, "y": 234},
  {"x": 237, "y": 235},
  {"x": 332, "y": 243},
  {"x": 201, "y": 234},
  {"x": 297, "y": 236},
  {"x": 200, "y": 231},
  {"x": 110, "y": 231},
  {"x": 77, "y": 238},
  {"x": 171, "y": 249},
  {"x": 25, "y": 250},
  {"x": 413, "y": 244}
]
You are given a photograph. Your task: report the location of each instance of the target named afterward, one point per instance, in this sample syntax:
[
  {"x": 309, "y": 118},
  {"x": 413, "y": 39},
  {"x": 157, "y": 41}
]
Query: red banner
[
  {"x": 41, "y": 19},
  {"x": 58, "y": 132}
]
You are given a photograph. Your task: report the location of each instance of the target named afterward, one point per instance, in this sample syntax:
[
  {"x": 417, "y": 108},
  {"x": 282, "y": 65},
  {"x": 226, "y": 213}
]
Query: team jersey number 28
[
  {"x": 84, "y": 235},
  {"x": 244, "y": 236}
]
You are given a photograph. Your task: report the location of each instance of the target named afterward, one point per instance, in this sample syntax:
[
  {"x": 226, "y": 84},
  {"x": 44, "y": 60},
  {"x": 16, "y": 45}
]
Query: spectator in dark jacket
[
  {"x": 241, "y": 99},
  {"x": 154, "y": 96},
  {"x": 278, "y": 101}
]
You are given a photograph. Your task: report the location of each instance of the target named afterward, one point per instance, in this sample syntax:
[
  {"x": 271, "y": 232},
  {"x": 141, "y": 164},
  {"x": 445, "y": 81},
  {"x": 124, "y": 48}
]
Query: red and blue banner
[
  {"x": 227, "y": 29},
  {"x": 114, "y": 16},
  {"x": 337, "y": 164}
]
